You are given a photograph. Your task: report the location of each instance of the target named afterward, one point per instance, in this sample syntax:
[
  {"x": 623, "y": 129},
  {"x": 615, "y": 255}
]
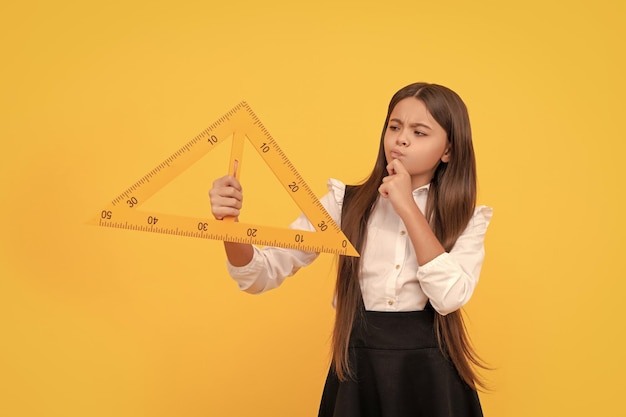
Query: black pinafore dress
[{"x": 399, "y": 368}]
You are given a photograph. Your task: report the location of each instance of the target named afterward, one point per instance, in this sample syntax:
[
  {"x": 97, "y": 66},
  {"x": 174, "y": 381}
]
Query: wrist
[{"x": 409, "y": 211}]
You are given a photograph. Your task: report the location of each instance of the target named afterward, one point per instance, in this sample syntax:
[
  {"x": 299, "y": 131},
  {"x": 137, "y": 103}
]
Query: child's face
[{"x": 416, "y": 139}]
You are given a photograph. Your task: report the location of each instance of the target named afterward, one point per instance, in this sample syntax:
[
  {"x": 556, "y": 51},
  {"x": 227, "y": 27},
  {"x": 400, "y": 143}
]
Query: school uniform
[{"x": 400, "y": 370}]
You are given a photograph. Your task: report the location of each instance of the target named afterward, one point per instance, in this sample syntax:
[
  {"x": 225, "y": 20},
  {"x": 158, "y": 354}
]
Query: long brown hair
[{"x": 450, "y": 206}]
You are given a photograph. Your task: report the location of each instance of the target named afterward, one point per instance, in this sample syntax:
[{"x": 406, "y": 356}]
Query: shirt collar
[{"x": 421, "y": 190}]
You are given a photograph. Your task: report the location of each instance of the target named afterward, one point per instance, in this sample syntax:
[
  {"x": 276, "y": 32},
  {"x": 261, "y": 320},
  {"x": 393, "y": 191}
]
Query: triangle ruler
[{"x": 239, "y": 124}]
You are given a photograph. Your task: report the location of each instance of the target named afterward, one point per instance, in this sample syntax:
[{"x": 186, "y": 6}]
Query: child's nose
[{"x": 402, "y": 139}]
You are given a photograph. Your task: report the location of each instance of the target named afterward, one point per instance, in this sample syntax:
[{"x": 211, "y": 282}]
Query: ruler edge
[
  {"x": 349, "y": 250},
  {"x": 312, "y": 197},
  {"x": 232, "y": 112}
]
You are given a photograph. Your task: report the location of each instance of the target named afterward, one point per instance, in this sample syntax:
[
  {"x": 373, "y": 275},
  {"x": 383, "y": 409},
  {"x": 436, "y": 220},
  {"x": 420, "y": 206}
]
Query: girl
[{"x": 399, "y": 343}]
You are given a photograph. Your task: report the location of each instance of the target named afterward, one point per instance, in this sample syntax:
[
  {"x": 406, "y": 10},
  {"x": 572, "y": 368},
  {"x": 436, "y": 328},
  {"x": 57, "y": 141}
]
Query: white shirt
[{"x": 391, "y": 279}]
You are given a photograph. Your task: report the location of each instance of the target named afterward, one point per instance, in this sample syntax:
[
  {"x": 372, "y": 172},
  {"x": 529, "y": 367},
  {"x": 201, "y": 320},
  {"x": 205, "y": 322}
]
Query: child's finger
[{"x": 397, "y": 167}]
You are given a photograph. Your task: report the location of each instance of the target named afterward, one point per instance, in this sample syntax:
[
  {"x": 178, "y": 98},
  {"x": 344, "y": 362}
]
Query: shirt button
[
  {"x": 390, "y": 302},
  {"x": 397, "y": 266},
  {"x": 402, "y": 233}
]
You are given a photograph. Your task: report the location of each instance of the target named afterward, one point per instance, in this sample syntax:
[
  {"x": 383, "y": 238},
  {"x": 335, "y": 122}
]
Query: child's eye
[
  {"x": 394, "y": 128},
  {"x": 418, "y": 133}
]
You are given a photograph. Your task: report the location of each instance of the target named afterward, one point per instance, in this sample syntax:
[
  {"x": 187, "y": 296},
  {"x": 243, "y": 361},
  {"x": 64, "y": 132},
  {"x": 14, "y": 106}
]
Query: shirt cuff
[
  {"x": 246, "y": 275},
  {"x": 437, "y": 262},
  {"x": 445, "y": 283}
]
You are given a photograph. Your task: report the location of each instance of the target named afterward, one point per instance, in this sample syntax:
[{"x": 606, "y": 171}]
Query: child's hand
[
  {"x": 397, "y": 186},
  {"x": 226, "y": 197}
]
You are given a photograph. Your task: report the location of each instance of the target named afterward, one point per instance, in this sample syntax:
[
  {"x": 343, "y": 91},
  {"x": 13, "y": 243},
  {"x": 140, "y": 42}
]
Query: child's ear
[{"x": 445, "y": 158}]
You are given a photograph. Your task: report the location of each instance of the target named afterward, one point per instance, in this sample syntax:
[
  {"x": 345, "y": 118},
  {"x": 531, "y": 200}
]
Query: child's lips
[{"x": 395, "y": 154}]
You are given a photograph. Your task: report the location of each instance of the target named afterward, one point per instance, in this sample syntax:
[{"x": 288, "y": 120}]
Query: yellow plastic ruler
[{"x": 238, "y": 124}]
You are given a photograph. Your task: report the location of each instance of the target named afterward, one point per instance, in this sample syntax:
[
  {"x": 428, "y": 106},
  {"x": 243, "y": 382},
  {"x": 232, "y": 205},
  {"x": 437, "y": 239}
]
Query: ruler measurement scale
[
  {"x": 179, "y": 161},
  {"x": 220, "y": 230},
  {"x": 239, "y": 123}
]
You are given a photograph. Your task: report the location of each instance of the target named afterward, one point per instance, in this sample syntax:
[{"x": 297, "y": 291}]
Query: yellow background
[{"x": 93, "y": 95}]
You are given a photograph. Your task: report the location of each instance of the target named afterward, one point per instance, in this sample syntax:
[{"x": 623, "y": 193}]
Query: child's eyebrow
[{"x": 413, "y": 125}]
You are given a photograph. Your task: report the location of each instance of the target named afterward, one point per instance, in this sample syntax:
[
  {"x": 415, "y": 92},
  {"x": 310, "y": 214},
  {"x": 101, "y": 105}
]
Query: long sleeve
[{"x": 449, "y": 279}]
